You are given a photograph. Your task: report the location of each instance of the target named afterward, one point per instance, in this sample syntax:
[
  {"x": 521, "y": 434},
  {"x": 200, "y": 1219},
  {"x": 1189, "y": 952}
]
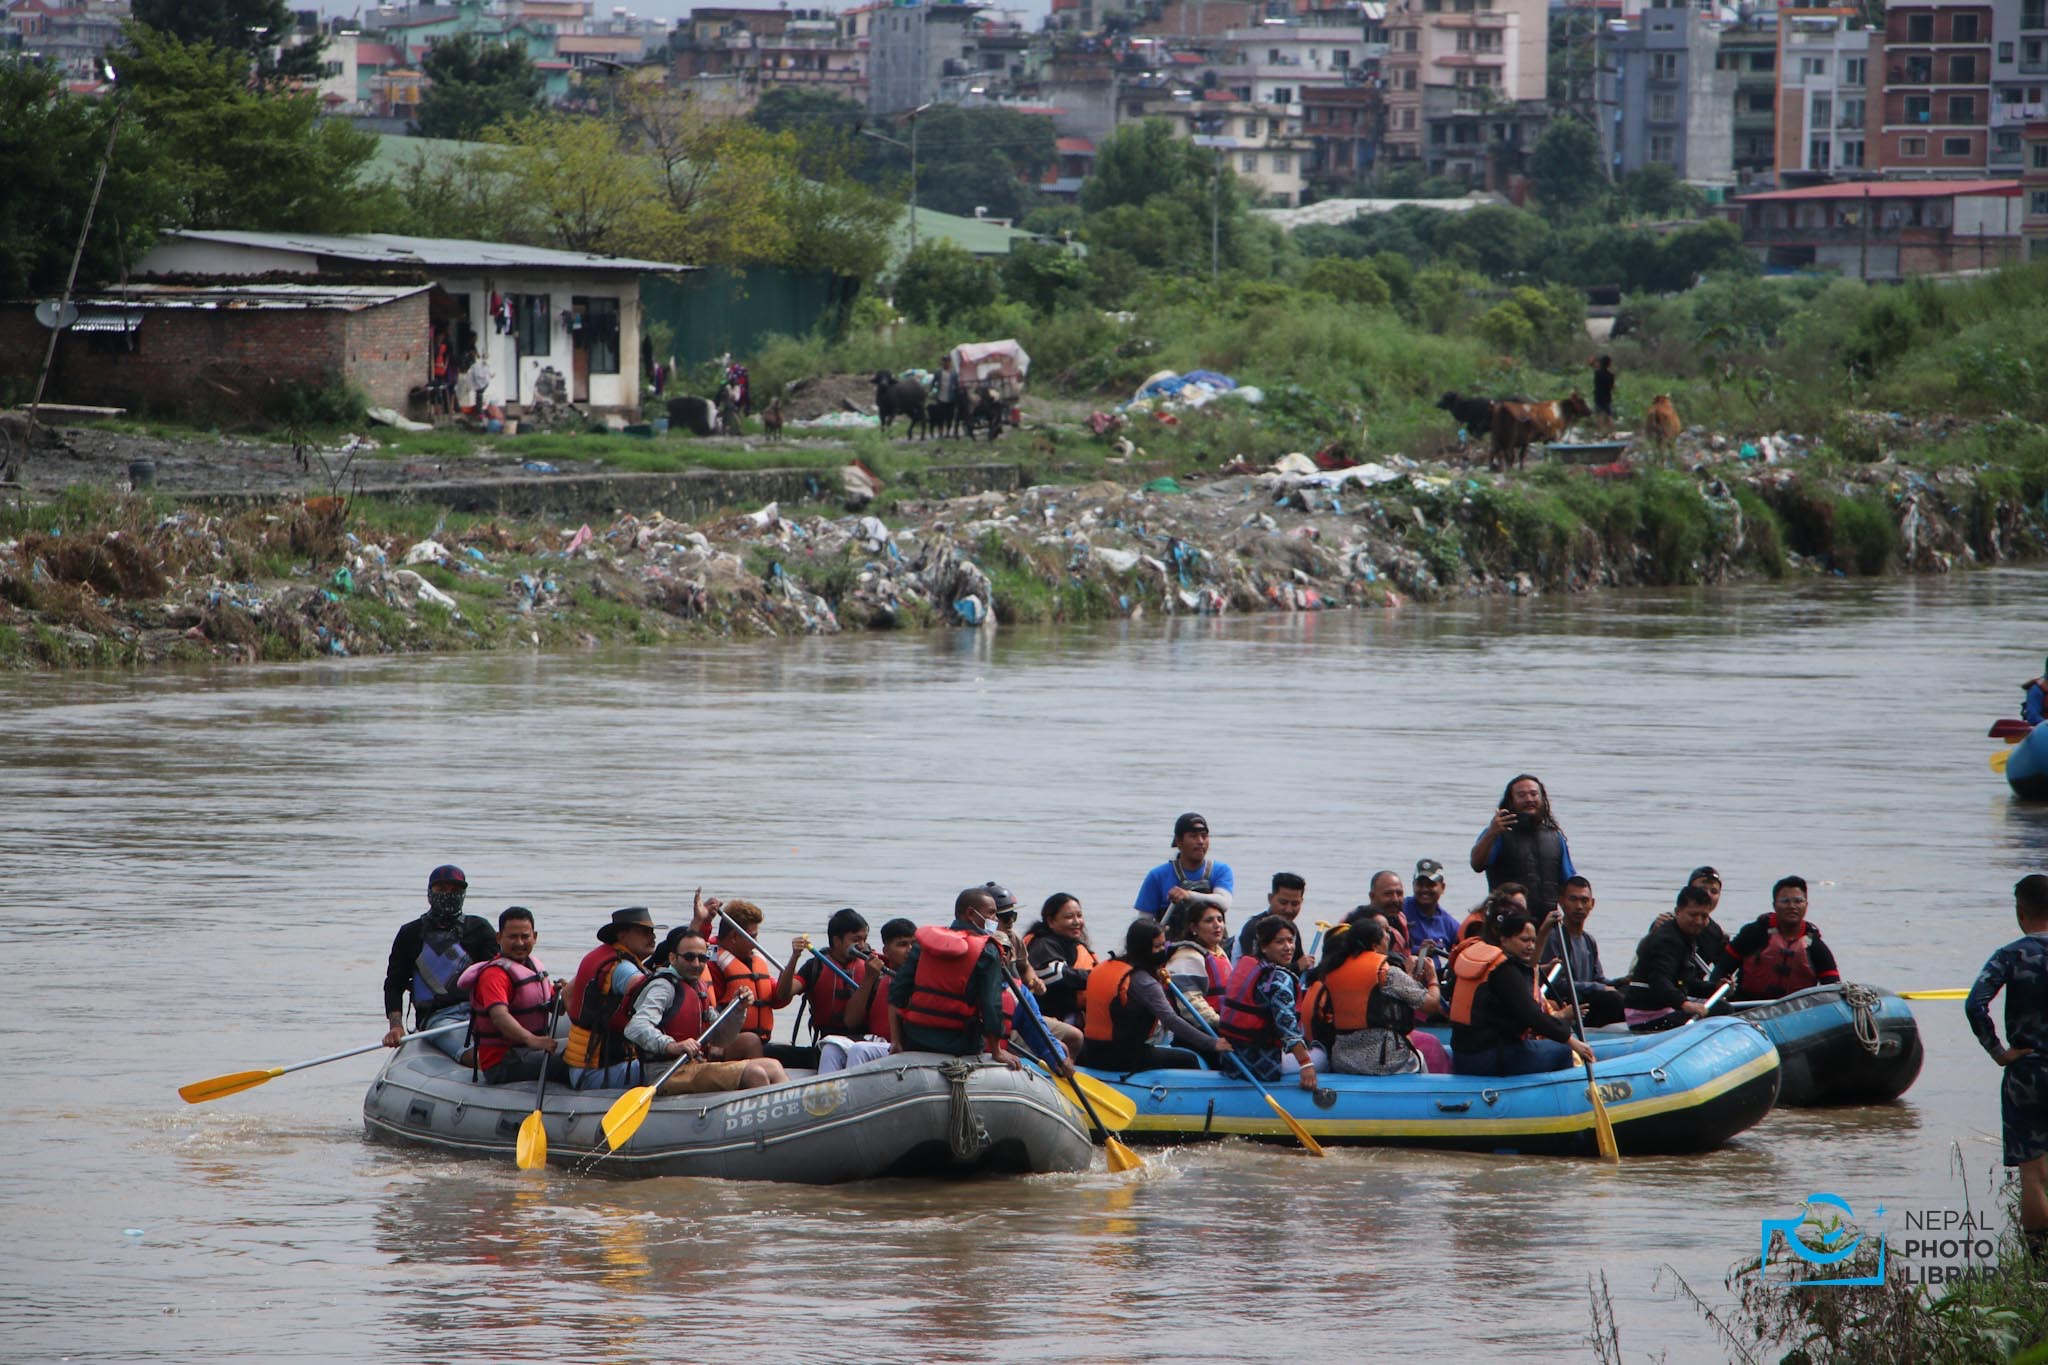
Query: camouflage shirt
[{"x": 2020, "y": 969}]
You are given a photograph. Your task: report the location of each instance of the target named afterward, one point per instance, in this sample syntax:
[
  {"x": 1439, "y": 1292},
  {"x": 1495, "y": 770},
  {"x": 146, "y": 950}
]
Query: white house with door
[{"x": 525, "y": 310}]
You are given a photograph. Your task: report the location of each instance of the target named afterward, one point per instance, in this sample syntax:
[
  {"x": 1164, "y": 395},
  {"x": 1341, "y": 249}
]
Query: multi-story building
[
  {"x": 71, "y": 38},
  {"x": 1277, "y": 63},
  {"x": 1262, "y": 142},
  {"x": 1936, "y": 113},
  {"x": 1824, "y": 104},
  {"x": 2034, "y": 185},
  {"x": 741, "y": 52},
  {"x": 921, "y": 52},
  {"x": 1477, "y": 138},
  {"x": 1749, "y": 50},
  {"x": 1344, "y": 125},
  {"x": 1886, "y": 229},
  {"x": 2019, "y": 73},
  {"x": 1669, "y": 100},
  {"x": 1498, "y": 46}
]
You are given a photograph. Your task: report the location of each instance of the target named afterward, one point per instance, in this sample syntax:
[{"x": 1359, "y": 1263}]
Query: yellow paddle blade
[
  {"x": 1951, "y": 993},
  {"x": 1111, "y": 1105},
  {"x": 1998, "y": 760},
  {"x": 1122, "y": 1158},
  {"x": 199, "y": 1092},
  {"x": 532, "y": 1150},
  {"x": 1603, "y": 1127},
  {"x": 627, "y": 1113},
  {"x": 1294, "y": 1126}
]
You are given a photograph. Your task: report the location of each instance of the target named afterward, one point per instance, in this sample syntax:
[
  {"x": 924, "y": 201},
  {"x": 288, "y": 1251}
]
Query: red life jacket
[
  {"x": 757, "y": 976},
  {"x": 1240, "y": 1015},
  {"x": 829, "y": 995},
  {"x": 938, "y": 993},
  {"x": 1110, "y": 985},
  {"x": 1780, "y": 968},
  {"x": 878, "y": 1003},
  {"x": 690, "y": 1011},
  {"x": 597, "y": 1013},
  {"x": 529, "y": 996}
]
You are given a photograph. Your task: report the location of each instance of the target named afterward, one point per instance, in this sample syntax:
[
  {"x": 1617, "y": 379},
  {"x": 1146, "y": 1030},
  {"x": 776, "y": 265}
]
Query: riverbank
[{"x": 103, "y": 578}]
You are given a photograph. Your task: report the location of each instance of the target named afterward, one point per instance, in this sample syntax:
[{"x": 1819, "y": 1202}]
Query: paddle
[
  {"x": 1119, "y": 1157},
  {"x": 630, "y": 1110},
  {"x": 1603, "y": 1127},
  {"x": 1301, "y": 1134},
  {"x": 2000, "y": 759},
  {"x": 530, "y": 1153},
  {"x": 217, "y": 1087},
  {"x": 2010, "y": 730},
  {"x": 756, "y": 943}
]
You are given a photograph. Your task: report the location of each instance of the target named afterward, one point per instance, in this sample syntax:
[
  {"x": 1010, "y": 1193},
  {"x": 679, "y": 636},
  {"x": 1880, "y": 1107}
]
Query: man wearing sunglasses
[{"x": 668, "y": 1020}]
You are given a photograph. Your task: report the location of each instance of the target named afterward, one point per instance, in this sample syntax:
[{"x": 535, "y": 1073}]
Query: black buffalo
[
  {"x": 901, "y": 398},
  {"x": 986, "y": 412},
  {"x": 1474, "y": 413}
]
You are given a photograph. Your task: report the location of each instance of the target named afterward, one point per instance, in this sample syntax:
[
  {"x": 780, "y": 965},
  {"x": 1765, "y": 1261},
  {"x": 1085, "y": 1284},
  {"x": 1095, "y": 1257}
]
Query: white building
[{"x": 1823, "y": 92}]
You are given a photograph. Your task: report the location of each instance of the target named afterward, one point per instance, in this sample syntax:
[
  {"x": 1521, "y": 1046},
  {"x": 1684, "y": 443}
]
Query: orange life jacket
[
  {"x": 757, "y": 976},
  {"x": 1241, "y": 1016},
  {"x": 1780, "y": 967},
  {"x": 1475, "y": 961},
  {"x": 1112, "y": 986},
  {"x": 1350, "y": 989},
  {"x": 597, "y": 1013},
  {"x": 939, "y": 999}
]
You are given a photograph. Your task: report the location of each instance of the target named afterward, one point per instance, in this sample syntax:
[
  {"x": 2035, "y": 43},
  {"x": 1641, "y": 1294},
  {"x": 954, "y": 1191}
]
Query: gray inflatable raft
[{"x": 918, "y": 1114}]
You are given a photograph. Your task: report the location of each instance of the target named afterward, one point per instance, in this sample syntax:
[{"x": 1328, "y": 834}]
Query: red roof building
[{"x": 1885, "y": 229}]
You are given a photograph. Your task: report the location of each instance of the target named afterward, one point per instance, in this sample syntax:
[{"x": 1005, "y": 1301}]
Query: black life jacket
[{"x": 1535, "y": 860}]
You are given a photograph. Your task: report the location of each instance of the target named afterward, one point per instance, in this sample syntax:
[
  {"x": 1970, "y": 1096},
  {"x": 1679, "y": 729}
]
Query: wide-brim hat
[{"x": 632, "y": 914}]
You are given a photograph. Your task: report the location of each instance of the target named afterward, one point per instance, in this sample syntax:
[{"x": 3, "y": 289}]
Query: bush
[{"x": 325, "y": 405}]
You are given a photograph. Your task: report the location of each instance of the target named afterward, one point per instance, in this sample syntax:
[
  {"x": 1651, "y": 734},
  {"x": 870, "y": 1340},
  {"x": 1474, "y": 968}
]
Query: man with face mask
[
  {"x": 947, "y": 995},
  {"x": 428, "y": 958}
]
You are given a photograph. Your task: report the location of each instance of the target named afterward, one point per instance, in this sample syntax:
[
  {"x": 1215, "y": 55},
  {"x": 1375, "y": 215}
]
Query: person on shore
[
  {"x": 428, "y": 957},
  {"x": 1260, "y": 1014},
  {"x": 511, "y": 1002},
  {"x": 1284, "y": 901},
  {"x": 1127, "y": 1001},
  {"x": 1495, "y": 1005},
  {"x": 1196, "y": 961},
  {"x": 1362, "y": 1004},
  {"x": 826, "y": 993},
  {"x": 1603, "y": 391},
  {"x": 1569, "y": 943},
  {"x": 671, "y": 1009},
  {"x": 1428, "y": 921},
  {"x": 2034, "y": 697},
  {"x": 1523, "y": 843},
  {"x": 1188, "y": 874},
  {"x": 870, "y": 1004},
  {"x": 946, "y": 394},
  {"x": 1671, "y": 976},
  {"x": 2020, "y": 970},
  {"x": 736, "y": 962},
  {"x": 947, "y": 995},
  {"x": 1058, "y": 950},
  {"x": 1776, "y": 954},
  {"x": 600, "y": 1000},
  {"x": 478, "y": 378}
]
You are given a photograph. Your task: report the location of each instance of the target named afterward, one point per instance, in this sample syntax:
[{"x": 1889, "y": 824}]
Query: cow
[
  {"x": 1517, "y": 425},
  {"x": 901, "y": 398},
  {"x": 1662, "y": 421},
  {"x": 698, "y": 416},
  {"x": 987, "y": 412},
  {"x": 1474, "y": 414},
  {"x": 772, "y": 419}
]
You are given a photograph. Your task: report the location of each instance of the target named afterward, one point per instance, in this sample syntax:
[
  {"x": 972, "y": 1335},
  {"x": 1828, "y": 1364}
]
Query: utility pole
[
  {"x": 71, "y": 280},
  {"x": 911, "y": 147},
  {"x": 1219, "y": 145}
]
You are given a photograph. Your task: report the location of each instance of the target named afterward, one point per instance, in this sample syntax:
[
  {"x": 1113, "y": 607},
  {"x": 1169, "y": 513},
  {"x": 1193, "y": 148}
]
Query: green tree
[
  {"x": 474, "y": 85},
  {"x": 1351, "y": 281},
  {"x": 967, "y": 159},
  {"x": 940, "y": 282},
  {"x": 1140, "y": 160},
  {"x": 836, "y": 224},
  {"x": 1495, "y": 240},
  {"x": 1044, "y": 276},
  {"x": 582, "y": 189},
  {"x": 253, "y": 28},
  {"x": 235, "y": 155},
  {"x": 51, "y": 144},
  {"x": 464, "y": 195},
  {"x": 1655, "y": 191},
  {"x": 1565, "y": 167}
]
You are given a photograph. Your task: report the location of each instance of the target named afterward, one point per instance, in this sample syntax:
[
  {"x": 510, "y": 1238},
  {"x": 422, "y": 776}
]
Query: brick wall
[{"x": 226, "y": 360}]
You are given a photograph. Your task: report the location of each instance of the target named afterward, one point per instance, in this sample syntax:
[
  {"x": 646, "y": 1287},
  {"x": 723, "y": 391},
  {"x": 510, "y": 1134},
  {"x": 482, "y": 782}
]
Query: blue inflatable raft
[
  {"x": 1688, "y": 1090},
  {"x": 2026, "y": 767},
  {"x": 1841, "y": 1044}
]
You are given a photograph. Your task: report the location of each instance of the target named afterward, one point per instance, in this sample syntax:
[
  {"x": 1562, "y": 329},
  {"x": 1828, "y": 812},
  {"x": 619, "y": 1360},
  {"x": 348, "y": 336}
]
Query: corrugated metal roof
[
  {"x": 347, "y": 298},
  {"x": 443, "y": 253},
  {"x": 1890, "y": 189}
]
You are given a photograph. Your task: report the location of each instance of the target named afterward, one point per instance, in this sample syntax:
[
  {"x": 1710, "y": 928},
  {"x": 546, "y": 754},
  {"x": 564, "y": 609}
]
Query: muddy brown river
[{"x": 201, "y": 872}]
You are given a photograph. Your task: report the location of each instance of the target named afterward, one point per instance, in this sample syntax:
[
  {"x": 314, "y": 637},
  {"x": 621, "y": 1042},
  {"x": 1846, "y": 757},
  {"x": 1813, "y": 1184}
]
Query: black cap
[
  {"x": 1188, "y": 824},
  {"x": 632, "y": 914},
  {"x": 446, "y": 872},
  {"x": 1700, "y": 872}
]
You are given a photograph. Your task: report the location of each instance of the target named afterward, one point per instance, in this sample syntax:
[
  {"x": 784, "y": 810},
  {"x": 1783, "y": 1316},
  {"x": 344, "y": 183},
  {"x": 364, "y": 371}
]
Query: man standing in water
[
  {"x": 1188, "y": 875},
  {"x": 2020, "y": 969},
  {"x": 428, "y": 958}
]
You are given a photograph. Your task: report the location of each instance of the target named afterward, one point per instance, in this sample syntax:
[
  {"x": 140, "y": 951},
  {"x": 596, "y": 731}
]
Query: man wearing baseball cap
[
  {"x": 428, "y": 957},
  {"x": 1188, "y": 875},
  {"x": 1428, "y": 921}
]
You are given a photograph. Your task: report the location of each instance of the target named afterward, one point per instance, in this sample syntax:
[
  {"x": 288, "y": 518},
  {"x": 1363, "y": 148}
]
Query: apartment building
[
  {"x": 1887, "y": 229},
  {"x": 918, "y": 53},
  {"x": 1263, "y": 142},
  {"x": 1344, "y": 125},
  {"x": 2019, "y": 73},
  {"x": 1749, "y": 49},
  {"x": 1278, "y": 63},
  {"x": 1496, "y": 46},
  {"x": 1824, "y": 93},
  {"x": 2034, "y": 185},
  {"x": 1668, "y": 99},
  {"x": 1936, "y": 112}
]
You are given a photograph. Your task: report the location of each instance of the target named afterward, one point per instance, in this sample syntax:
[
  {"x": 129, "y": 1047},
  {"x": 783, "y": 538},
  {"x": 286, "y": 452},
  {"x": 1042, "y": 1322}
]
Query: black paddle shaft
[{"x": 547, "y": 1059}]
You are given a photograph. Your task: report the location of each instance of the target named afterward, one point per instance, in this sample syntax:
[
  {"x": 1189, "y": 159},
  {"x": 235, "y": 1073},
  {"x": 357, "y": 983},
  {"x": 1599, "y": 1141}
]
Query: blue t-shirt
[
  {"x": 1163, "y": 878},
  {"x": 2036, "y": 704},
  {"x": 1440, "y": 927}
]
